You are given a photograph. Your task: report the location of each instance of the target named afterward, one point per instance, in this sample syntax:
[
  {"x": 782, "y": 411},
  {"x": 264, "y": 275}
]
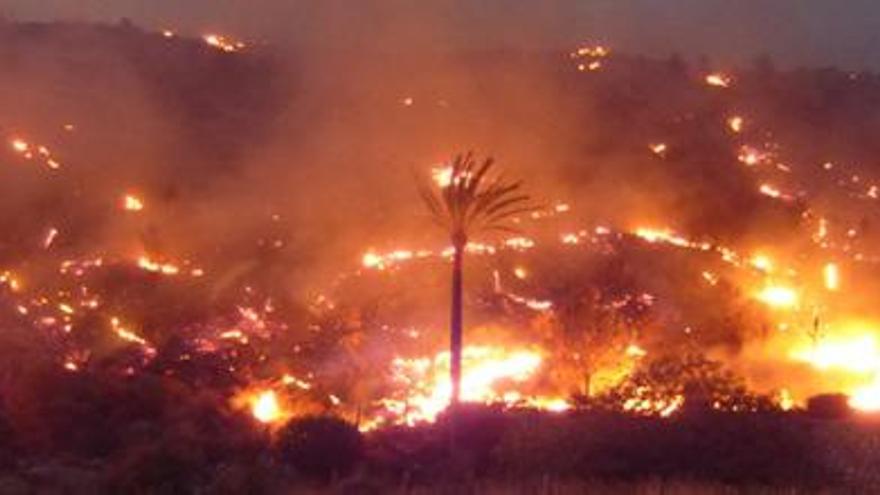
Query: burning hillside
[{"x": 191, "y": 209}]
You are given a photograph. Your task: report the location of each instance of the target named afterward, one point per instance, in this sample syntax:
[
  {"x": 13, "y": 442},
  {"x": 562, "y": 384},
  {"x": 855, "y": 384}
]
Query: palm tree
[{"x": 464, "y": 200}]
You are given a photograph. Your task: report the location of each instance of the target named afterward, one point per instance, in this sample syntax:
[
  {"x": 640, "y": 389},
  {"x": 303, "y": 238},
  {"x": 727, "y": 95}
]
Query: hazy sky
[{"x": 843, "y": 32}]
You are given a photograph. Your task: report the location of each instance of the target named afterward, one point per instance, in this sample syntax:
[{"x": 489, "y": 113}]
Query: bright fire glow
[
  {"x": 126, "y": 334},
  {"x": 442, "y": 176},
  {"x": 667, "y": 236},
  {"x": 771, "y": 191},
  {"x": 661, "y": 407},
  {"x": 658, "y": 148},
  {"x": 762, "y": 262},
  {"x": 265, "y": 407},
  {"x": 778, "y": 296},
  {"x": 718, "y": 80},
  {"x": 735, "y": 123},
  {"x": 145, "y": 263},
  {"x": 488, "y": 372},
  {"x": 831, "y": 274},
  {"x": 20, "y": 145},
  {"x": 131, "y": 202},
  {"x": 750, "y": 156},
  {"x": 223, "y": 43},
  {"x": 51, "y": 235},
  {"x": 855, "y": 353}
]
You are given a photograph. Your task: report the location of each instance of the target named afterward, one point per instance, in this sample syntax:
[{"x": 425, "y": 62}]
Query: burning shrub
[
  {"x": 691, "y": 382},
  {"x": 321, "y": 447}
]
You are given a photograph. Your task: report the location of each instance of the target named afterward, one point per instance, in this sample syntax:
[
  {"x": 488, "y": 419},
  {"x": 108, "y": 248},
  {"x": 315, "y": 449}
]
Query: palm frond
[{"x": 474, "y": 199}]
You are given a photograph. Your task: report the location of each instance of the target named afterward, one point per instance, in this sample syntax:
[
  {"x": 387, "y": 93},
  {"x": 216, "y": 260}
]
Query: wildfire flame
[
  {"x": 778, "y": 296},
  {"x": 854, "y": 353},
  {"x": 486, "y": 370},
  {"x": 265, "y": 407},
  {"x": 831, "y": 275}
]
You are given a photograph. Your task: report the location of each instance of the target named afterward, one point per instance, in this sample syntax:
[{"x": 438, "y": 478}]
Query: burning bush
[{"x": 672, "y": 383}]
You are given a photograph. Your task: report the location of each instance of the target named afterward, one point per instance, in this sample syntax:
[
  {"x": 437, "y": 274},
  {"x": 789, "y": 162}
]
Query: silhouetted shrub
[
  {"x": 731, "y": 448},
  {"x": 829, "y": 406},
  {"x": 477, "y": 429},
  {"x": 414, "y": 453},
  {"x": 159, "y": 468},
  {"x": 321, "y": 446}
]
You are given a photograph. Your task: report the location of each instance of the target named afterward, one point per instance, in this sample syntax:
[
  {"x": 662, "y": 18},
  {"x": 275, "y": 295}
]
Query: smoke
[{"x": 277, "y": 166}]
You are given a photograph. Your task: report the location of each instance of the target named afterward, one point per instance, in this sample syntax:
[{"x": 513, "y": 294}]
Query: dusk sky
[{"x": 814, "y": 32}]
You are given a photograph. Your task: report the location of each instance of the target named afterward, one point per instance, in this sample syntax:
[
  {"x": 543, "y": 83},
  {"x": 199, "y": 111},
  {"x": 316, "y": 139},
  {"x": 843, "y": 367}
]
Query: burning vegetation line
[{"x": 468, "y": 199}]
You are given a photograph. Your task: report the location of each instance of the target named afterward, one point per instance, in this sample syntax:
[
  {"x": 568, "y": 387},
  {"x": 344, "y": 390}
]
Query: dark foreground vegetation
[{"x": 133, "y": 439}]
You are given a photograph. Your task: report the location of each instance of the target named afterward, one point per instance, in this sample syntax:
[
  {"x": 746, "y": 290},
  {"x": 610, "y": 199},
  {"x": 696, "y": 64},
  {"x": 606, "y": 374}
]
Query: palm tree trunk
[{"x": 455, "y": 335}]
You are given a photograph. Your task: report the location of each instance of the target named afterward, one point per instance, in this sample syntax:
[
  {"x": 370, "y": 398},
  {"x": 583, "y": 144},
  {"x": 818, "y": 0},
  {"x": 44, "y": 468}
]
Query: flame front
[
  {"x": 854, "y": 357},
  {"x": 490, "y": 375}
]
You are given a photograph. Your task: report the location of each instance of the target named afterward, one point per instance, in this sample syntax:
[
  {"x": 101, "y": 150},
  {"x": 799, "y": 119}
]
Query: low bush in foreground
[{"x": 491, "y": 451}]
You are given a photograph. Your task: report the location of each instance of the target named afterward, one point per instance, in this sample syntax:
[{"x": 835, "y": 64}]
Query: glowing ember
[
  {"x": 658, "y": 149},
  {"x": 635, "y": 351},
  {"x": 51, "y": 235},
  {"x": 30, "y": 151},
  {"x": 592, "y": 66},
  {"x": 773, "y": 192},
  {"x": 126, "y": 334},
  {"x": 20, "y": 145},
  {"x": 718, "y": 80},
  {"x": 9, "y": 279},
  {"x": 750, "y": 156},
  {"x": 597, "y": 51},
  {"x": 223, "y": 44},
  {"x": 150, "y": 265},
  {"x": 131, "y": 202},
  {"x": 590, "y": 57},
  {"x": 735, "y": 123}
]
